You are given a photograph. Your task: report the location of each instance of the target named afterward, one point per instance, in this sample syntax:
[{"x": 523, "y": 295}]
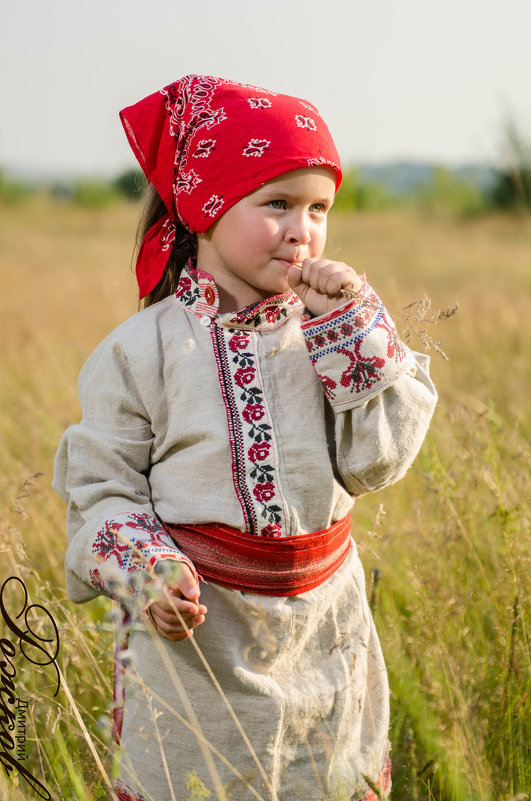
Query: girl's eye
[
  {"x": 318, "y": 207},
  {"x": 277, "y": 204}
]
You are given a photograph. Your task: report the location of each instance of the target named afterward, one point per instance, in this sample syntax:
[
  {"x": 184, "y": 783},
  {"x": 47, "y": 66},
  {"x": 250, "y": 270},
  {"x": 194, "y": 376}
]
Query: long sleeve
[
  {"x": 101, "y": 471},
  {"x": 379, "y": 390}
]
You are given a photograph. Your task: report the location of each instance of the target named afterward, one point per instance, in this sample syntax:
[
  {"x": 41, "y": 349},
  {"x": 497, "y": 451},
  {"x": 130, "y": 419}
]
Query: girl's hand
[
  {"x": 184, "y": 594},
  {"x": 317, "y": 282}
]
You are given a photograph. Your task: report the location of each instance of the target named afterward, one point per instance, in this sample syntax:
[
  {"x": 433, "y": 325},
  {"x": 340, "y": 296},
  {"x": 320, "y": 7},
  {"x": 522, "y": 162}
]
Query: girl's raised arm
[{"x": 380, "y": 391}]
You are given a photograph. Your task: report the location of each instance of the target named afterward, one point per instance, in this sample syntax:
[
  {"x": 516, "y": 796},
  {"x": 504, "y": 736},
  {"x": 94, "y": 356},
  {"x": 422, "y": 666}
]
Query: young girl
[{"x": 227, "y": 428}]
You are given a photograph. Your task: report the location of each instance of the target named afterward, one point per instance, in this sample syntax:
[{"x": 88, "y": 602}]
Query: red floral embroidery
[
  {"x": 395, "y": 348},
  {"x": 264, "y": 492},
  {"x": 362, "y": 372},
  {"x": 272, "y": 314},
  {"x": 238, "y": 342},
  {"x": 128, "y": 545},
  {"x": 250, "y": 433},
  {"x": 185, "y": 284},
  {"x": 96, "y": 580},
  {"x": 253, "y": 450},
  {"x": 244, "y": 375},
  {"x": 272, "y": 531},
  {"x": 259, "y": 451},
  {"x": 254, "y": 413},
  {"x": 258, "y": 314},
  {"x": 328, "y": 384},
  {"x": 107, "y": 544},
  {"x": 346, "y": 329},
  {"x": 363, "y": 334},
  {"x": 188, "y": 290}
]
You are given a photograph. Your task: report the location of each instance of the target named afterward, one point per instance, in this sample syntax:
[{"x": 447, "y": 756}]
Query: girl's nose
[{"x": 298, "y": 230}]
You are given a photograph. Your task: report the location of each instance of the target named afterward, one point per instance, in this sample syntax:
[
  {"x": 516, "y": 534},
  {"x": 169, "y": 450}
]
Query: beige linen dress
[{"x": 271, "y": 422}]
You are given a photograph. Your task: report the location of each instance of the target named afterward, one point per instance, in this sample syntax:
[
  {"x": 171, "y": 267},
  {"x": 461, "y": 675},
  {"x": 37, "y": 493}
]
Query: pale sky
[{"x": 393, "y": 78}]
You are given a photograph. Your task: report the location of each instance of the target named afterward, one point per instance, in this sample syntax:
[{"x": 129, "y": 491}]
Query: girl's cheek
[
  {"x": 319, "y": 237},
  {"x": 272, "y": 224}
]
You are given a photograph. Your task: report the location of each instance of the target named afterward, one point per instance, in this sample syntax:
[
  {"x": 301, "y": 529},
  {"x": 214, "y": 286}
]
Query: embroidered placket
[{"x": 251, "y": 434}]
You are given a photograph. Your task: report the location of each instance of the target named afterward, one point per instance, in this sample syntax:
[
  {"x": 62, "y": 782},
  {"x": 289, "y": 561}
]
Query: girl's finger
[
  {"x": 327, "y": 277},
  {"x": 184, "y": 607},
  {"x": 295, "y": 277},
  {"x": 177, "y": 631},
  {"x": 170, "y": 612},
  {"x": 178, "y": 577},
  {"x": 336, "y": 280},
  {"x": 162, "y": 619}
]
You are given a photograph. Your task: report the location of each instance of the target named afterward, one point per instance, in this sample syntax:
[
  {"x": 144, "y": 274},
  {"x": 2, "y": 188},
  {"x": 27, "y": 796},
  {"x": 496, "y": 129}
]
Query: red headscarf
[{"x": 204, "y": 143}]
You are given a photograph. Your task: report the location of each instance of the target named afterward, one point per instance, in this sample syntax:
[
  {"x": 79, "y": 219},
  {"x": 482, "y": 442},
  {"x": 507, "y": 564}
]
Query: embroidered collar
[{"x": 197, "y": 291}]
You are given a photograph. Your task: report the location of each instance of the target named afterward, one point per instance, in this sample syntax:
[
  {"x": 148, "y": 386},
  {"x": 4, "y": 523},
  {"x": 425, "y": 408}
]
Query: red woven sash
[{"x": 269, "y": 566}]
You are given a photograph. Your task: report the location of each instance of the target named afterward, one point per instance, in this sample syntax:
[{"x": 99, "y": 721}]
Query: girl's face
[{"x": 249, "y": 249}]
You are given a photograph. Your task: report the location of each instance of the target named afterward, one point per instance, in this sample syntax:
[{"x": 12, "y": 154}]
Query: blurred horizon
[
  {"x": 373, "y": 169},
  {"x": 409, "y": 82}
]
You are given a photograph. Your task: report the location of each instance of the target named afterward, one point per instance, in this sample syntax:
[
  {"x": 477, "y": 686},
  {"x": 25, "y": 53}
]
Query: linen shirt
[{"x": 266, "y": 420}]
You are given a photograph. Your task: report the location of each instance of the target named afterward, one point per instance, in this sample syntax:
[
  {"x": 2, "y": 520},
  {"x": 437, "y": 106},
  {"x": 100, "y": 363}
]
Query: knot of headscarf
[{"x": 204, "y": 143}]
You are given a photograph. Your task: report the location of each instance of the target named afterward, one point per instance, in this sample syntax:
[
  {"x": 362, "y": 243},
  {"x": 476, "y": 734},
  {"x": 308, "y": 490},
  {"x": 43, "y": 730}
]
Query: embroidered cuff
[
  {"x": 355, "y": 349},
  {"x": 126, "y": 550}
]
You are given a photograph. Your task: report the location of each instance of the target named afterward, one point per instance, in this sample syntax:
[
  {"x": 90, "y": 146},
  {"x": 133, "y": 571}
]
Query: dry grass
[{"x": 451, "y": 541}]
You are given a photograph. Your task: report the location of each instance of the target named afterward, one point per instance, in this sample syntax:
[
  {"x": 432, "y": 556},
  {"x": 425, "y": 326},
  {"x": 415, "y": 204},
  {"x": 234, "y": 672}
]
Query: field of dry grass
[{"x": 448, "y": 546}]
